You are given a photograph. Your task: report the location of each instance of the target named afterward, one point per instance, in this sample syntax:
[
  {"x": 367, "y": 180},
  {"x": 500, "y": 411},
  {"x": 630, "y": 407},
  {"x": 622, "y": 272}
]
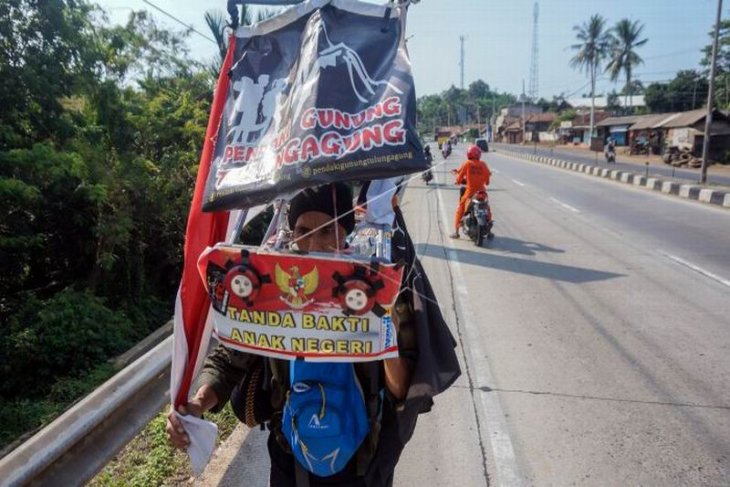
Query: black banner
[{"x": 317, "y": 94}]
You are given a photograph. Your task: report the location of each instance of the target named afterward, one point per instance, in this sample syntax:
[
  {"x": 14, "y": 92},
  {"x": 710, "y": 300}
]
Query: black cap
[{"x": 323, "y": 199}]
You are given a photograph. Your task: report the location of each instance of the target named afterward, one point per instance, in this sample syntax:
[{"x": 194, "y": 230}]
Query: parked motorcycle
[{"x": 477, "y": 221}]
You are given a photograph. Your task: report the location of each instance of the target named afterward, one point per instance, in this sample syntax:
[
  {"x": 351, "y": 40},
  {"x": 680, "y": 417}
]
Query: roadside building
[
  {"x": 538, "y": 127},
  {"x": 512, "y": 134},
  {"x": 616, "y": 128},
  {"x": 647, "y": 131},
  {"x": 505, "y": 122},
  {"x": 516, "y": 110},
  {"x": 686, "y": 130},
  {"x": 601, "y": 102},
  {"x": 578, "y": 132},
  {"x": 442, "y": 134}
]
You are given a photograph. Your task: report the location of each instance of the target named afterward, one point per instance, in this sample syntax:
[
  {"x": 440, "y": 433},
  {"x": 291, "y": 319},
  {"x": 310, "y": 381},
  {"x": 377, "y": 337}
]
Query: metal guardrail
[{"x": 80, "y": 442}]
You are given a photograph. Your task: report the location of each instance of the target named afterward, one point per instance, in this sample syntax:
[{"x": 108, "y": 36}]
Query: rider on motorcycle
[
  {"x": 610, "y": 151},
  {"x": 427, "y": 175},
  {"x": 446, "y": 149},
  {"x": 474, "y": 174}
]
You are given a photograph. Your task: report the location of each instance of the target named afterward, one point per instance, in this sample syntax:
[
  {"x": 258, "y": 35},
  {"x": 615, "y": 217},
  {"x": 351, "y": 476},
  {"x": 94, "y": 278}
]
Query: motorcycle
[
  {"x": 427, "y": 175},
  {"x": 477, "y": 221},
  {"x": 610, "y": 155},
  {"x": 446, "y": 150}
]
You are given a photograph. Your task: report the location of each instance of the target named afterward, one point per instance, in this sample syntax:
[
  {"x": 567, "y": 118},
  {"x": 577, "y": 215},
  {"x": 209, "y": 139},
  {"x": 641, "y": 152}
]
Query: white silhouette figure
[
  {"x": 261, "y": 105},
  {"x": 270, "y": 107},
  {"x": 247, "y": 104}
]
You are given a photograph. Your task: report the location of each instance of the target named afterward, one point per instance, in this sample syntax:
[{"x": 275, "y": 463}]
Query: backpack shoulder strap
[
  {"x": 373, "y": 402},
  {"x": 279, "y": 382}
]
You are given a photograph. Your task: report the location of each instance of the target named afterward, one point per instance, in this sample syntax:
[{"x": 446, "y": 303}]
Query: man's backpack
[{"x": 325, "y": 419}]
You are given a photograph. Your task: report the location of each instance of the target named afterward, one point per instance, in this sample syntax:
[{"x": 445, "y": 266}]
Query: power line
[
  {"x": 669, "y": 54},
  {"x": 179, "y": 21}
]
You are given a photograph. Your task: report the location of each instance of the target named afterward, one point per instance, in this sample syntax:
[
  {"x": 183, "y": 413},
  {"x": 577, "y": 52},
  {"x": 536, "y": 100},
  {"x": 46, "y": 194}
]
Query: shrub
[{"x": 66, "y": 335}]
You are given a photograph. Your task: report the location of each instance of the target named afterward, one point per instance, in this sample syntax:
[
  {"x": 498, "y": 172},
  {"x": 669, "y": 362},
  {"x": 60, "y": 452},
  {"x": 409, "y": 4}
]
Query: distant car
[{"x": 482, "y": 144}]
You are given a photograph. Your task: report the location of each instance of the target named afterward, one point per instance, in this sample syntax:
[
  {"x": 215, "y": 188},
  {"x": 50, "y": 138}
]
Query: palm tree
[
  {"x": 595, "y": 42},
  {"x": 623, "y": 52},
  {"x": 217, "y": 23}
]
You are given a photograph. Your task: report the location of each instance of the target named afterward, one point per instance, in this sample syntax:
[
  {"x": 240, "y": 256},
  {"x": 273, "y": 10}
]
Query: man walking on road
[{"x": 320, "y": 219}]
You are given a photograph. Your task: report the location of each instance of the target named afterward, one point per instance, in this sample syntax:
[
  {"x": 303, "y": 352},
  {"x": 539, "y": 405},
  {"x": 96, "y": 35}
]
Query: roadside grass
[{"x": 149, "y": 460}]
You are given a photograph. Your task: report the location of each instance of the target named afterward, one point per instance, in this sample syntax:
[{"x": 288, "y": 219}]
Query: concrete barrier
[
  {"x": 688, "y": 191},
  {"x": 670, "y": 187},
  {"x": 654, "y": 184}
]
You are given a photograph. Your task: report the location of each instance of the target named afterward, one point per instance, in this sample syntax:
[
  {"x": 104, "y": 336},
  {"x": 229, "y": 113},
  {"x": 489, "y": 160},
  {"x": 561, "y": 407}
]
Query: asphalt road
[
  {"x": 594, "y": 335},
  {"x": 689, "y": 175},
  {"x": 606, "y": 345}
]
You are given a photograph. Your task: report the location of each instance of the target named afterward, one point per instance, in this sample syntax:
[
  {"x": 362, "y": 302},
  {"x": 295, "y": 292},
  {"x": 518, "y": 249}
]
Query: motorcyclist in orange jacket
[{"x": 474, "y": 174}]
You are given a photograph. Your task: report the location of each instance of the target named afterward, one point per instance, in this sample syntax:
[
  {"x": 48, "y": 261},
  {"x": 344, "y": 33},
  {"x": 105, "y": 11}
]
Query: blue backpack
[{"x": 325, "y": 418}]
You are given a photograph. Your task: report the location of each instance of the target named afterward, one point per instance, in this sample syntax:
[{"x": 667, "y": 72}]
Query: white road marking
[
  {"x": 495, "y": 171},
  {"x": 518, "y": 183},
  {"x": 696, "y": 268},
  {"x": 564, "y": 205},
  {"x": 493, "y": 428}
]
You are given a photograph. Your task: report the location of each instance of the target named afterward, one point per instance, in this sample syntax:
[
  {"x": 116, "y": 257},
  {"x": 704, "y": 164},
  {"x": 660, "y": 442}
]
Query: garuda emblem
[{"x": 295, "y": 287}]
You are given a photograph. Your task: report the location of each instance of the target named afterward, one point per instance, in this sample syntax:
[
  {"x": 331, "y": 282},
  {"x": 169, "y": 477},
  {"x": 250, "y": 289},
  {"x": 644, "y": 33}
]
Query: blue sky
[{"x": 499, "y": 38}]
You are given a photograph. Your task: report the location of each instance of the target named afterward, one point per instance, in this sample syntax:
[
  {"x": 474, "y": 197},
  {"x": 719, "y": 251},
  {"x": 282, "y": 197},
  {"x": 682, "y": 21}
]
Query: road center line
[
  {"x": 564, "y": 205},
  {"x": 495, "y": 428},
  {"x": 518, "y": 183},
  {"x": 698, "y": 269}
]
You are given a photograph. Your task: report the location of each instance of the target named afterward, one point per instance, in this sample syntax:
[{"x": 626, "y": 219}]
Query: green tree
[
  {"x": 478, "y": 89},
  {"x": 613, "y": 104},
  {"x": 99, "y": 148},
  {"x": 592, "y": 49},
  {"x": 723, "y": 53},
  {"x": 636, "y": 87},
  {"x": 722, "y": 76},
  {"x": 623, "y": 57},
  {"x": 687, "y": 91},
  {"x": 46, "y": 54},
  {"x": 218, "y": 26},
  {"x": 656, "y": 98}
]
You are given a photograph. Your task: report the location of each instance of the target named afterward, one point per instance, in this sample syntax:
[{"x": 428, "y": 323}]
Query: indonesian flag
[{"x": 192, "y": 328}]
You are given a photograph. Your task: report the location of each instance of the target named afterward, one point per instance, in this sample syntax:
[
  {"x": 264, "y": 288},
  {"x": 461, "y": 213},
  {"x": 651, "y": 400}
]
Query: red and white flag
[{"x": 191, "y": 325}]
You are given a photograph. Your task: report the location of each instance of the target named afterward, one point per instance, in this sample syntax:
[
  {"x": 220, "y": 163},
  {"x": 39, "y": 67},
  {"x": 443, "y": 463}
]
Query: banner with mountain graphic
[{"x": 320, "y": 93}]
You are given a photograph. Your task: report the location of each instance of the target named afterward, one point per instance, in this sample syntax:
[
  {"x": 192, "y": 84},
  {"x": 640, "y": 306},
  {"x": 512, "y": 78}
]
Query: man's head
[{"x": 322, "y": 217}]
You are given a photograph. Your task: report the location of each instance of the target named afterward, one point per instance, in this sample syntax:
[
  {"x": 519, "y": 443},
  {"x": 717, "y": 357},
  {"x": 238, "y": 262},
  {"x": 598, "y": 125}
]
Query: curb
[{"x": 687, "y": 191}]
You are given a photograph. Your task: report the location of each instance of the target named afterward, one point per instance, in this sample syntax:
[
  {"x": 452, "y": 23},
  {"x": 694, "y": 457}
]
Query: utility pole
[
  {"x": 461, "y": 62},
  {"x": 534, "y": 61},
  {"x": 710, "y": 96},
  {"x": 493, "y": 120},
  {"x": 523, "y": 110}
]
